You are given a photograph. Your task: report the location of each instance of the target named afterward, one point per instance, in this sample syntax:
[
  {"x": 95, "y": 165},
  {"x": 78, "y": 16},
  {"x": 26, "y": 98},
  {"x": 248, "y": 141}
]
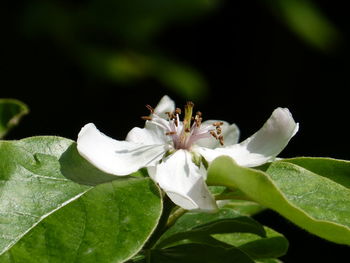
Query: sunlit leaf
[
  {"x": 311, "y": 201},
  {"x": 336, "y": 170},
  {"x": 46, "y": 217}
]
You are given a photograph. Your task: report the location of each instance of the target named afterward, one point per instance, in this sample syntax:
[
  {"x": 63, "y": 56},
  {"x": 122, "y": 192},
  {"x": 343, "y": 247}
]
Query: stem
[{"x": 175, "y": 216}]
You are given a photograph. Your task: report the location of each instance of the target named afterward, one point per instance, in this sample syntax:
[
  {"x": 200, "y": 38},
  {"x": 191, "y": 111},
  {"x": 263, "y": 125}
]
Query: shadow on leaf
[{"x": 79, "y": 170}]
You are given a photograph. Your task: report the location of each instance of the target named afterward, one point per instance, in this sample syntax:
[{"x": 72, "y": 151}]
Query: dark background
[{"x": 101, "y": 61}]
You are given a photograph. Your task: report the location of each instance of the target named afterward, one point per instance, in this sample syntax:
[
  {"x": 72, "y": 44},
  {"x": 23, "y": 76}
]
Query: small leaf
[
  {"x": 311, "y": 201},
  {"x": 273, "y": 245},
  {"x": 193, "y": 225},
  {"x": 45, "y": 217},
  {"x": 198, "y": 253},
  {"x": 11, "y": 111}
]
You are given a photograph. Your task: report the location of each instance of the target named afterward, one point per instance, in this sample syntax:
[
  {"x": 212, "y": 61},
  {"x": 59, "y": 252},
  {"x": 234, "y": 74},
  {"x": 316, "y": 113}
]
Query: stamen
[
  {"x": 176, "y": 120},
  {"x": 146, "y": 118},
  {"x": 150, "y": 108},
  {"x": 218, "y": 123},
  {"x": 221, "y": 140},
  {"x": 198, "y": 118},
  {"x": 214, "y": 134},
  {"x": 187, "y": 132},
  {"x": 171, "y": 115},
  {"x": 177, "y": 111}
]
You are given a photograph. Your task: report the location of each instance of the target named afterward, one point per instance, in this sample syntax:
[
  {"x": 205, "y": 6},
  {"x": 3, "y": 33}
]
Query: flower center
[{"x": 185, "y": 133}]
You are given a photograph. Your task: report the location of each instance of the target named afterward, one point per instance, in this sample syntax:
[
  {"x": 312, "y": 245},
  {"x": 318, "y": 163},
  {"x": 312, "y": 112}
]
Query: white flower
[{"x": 173, "y": 150}]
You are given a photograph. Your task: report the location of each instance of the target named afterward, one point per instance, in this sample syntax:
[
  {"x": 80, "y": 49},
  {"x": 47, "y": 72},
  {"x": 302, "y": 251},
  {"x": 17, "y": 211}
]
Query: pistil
[{"x": 188, "y": 116}]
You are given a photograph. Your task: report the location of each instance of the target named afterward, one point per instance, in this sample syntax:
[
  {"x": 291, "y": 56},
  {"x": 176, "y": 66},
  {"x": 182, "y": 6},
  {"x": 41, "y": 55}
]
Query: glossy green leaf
[
  {"x": 311, "y": 201},
  {"x": 193, "y": 225},
  {"x": 226, "y": 198},
  {"x": 273, "y": 245},
  {"x": 45, "y": 217},
  {"x": 11, "y": 111},
  {"x": 199, "y": 253},
  {"x": 243, "y": 207},
  {"x": 336, "y": 170}
]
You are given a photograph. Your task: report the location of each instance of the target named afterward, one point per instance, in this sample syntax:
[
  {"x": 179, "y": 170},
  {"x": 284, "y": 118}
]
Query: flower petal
[
  {"x": 261, "y": 147},
  {"x": 230, "y": 132},
  {"x": 116, "y": 157},
  {"x": 164, "y": 105},
  {"x": 150, "y": 135},
  {"x": 183, "y": 182}
]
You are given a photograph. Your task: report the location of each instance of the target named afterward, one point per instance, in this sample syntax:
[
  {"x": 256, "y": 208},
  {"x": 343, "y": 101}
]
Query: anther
[
  {"x": 171, "y": 115},
  {"x": 146, "y": 118},
  {"x": 213, "y": 134},
  {"x": 198, "y": 121},
  {"x": 218, "y": 123},
  {"x": 170, "y": 133},
  {"x": 150, "y": 108},
  {"x": 178, "y": 111},
  {"x": 221, "y": 140},
  {"x": 218, "y": 130}
]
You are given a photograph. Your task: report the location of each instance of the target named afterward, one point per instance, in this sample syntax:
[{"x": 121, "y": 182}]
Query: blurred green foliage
[
  {"x": 308, "y": 22},
  {"x": 117, "y": 40}
]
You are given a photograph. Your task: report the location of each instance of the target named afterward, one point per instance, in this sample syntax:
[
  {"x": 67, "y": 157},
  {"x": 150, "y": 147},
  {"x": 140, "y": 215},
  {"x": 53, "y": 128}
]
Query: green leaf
[
  {"x": 193, "y": 225},
  {"x": 45, "y": 217},
  {"x": 311, "y": 201},
  {"x": 227, "y": 198},
  {"x": 243, "y": 207},
  {"x": 199, "y": 253},
  {"x": 11, "y": 111},
  {"x": 273, "y": 245},
  {"x": 336, "y": 170}
]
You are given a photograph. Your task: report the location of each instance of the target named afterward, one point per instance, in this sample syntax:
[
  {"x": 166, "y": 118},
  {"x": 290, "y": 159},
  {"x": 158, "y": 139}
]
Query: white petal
[
  {"x": 184, "y": 182},
  {"x": 150, "y": 135},
  {"x": 164, "y": 105},
  {"x": 263, "y": 146},
  {"x": 229, "y": 132},
  {"x": 116, "y": 157}
]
